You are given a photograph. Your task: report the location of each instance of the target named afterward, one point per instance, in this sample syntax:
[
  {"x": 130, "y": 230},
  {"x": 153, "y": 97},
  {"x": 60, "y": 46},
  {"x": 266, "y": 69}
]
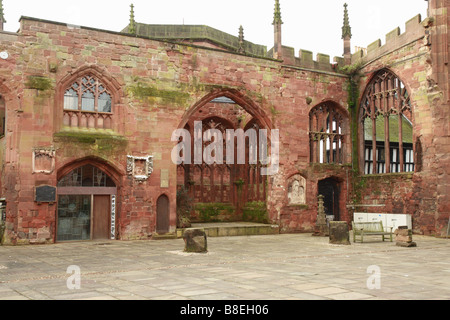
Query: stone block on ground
[
  {"x": 403, "y": 237},
  {"x": 195, "y": 241},
  {"x": 339, "y": 233}
]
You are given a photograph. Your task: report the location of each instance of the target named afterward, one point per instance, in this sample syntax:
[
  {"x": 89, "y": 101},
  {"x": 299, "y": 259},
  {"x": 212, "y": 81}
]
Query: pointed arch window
[
  {"x": 387, "y": 128},
  {"x": 327, "y": 134},
  {"x": 88, "y": 104}
]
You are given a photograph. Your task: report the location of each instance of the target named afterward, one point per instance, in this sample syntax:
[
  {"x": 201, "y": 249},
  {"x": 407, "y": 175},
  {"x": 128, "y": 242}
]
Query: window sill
[{"x": 408, "y": 175}]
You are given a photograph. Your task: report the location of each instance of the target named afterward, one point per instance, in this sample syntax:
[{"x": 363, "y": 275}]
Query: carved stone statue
[{"x": 296, "y": 191}]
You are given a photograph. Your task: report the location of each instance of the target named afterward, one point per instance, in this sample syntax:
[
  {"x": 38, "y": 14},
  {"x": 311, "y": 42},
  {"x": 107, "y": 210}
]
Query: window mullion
[
  {"x": 387, "y": 114},
  {"x": 374, "y": 132}
]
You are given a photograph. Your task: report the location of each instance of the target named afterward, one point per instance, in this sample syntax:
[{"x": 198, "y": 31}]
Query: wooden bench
[{"x": 370, "y": 229}]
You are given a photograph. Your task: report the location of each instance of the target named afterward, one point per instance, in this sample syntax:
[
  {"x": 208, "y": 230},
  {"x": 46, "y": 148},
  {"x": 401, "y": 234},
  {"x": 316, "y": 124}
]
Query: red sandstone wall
[
  {"x": 417, "y": 58},
  {"x": 146, "y": 120},
  {"x": 159, "y": 86}
]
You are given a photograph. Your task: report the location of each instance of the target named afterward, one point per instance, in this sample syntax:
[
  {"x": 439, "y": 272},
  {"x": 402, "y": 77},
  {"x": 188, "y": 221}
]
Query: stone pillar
[
  {"x": 347, "y": 36},
  {"x": 321, "y": 228},
  {"x": 277, "y": 23}
]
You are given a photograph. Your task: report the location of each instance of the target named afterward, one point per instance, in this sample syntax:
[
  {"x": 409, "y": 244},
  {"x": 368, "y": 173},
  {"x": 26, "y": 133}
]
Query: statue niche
[{"x": 297, "y": 190}]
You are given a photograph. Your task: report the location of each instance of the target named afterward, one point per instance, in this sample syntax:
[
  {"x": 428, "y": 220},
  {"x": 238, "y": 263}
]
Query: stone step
[
  {"x": 233, "y": 229},
  {"x": 166, "y": 236}
]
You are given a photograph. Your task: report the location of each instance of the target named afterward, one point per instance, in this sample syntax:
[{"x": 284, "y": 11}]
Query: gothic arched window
[
  {"x": 327, "y": 130},
  {"x": 387, "y": 129},
  {"x": 88, "y": 104}
]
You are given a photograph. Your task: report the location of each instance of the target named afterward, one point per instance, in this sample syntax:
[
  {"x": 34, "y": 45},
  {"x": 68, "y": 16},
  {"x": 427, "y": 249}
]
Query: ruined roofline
[
  {"x": 72, "y": 26},
  {"x": 305, "y": 61},
  {"x": 414, "y": 30},
  {"x": 183, "y": 33}
]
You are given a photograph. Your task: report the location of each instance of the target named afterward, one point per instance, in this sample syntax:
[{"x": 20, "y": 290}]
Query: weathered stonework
[{"x": 158, "y": 86}]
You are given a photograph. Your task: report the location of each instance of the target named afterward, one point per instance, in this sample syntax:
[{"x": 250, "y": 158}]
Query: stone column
[{"x": 321, "y": 229}]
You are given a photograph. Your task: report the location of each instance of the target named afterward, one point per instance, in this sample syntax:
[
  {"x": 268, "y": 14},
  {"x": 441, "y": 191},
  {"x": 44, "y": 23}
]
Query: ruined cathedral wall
[
  {"x": 302, "y": 91},
  {"x": 9, "y": 91},
  {"x": 154, "y": 86},
  {"x": 409, "y": 56}
]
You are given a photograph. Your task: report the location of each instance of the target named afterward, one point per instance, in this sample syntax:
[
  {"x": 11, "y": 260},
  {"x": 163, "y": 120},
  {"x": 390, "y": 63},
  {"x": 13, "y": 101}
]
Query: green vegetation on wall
[
  {"x": 211, "y": 212},
  {"x": 255, "y": 212},
  {"x": 143, "y": 91},
  {"x": 39, "y": 83},
  {"x": 102, "y": 144}
]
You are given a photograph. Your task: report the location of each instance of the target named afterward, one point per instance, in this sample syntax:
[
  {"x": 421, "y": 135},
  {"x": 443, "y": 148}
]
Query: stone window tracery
[
  {"x": 327, "y": 134},
  {"x": 387, "y": 129},
  {"x": 88, "y": 104}
]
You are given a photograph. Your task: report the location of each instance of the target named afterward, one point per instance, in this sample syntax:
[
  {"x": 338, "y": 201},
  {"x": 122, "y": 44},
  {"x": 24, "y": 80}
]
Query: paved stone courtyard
[{"x": 273, "y": 267}]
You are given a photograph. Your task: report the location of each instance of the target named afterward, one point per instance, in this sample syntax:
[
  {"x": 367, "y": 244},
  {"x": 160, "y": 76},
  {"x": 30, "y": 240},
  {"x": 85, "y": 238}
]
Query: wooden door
[
  {"x": 163, "y": 215},
  {"x": 101, "y": 218}
]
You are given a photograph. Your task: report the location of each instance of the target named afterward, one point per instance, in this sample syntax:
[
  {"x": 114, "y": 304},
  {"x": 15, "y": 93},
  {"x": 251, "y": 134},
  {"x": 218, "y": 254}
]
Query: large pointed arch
[
  {"x": 115, "y": 173},
  {"x": 386, "y": 125},
  {"x": 235, "y": 184},
  {"x": 235, "y": 95}
]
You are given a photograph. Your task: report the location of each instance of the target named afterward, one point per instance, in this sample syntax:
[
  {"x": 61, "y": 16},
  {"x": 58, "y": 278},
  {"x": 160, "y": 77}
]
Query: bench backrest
[{"x": 369, "y": 226}]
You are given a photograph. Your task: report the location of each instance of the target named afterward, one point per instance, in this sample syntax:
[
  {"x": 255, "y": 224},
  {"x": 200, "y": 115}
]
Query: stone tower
[{"x": 347, "y": 36}]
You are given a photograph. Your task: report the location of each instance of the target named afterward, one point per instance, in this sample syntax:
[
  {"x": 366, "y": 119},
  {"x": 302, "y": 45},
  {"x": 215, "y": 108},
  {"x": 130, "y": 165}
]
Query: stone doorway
[
  {"x": 85, "y": 198},
  {"x": 329, "y": 188},
  {"x": 162, "y": 215}
]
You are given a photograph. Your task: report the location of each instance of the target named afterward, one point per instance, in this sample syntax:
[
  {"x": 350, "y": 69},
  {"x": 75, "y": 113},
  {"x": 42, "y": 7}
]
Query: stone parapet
[{"x": 414, "y": 30}]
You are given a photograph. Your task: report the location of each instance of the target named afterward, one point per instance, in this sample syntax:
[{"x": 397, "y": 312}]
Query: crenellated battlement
[
  {"x": 305, "y": 59},
  {"x": 414, "y": 30}
]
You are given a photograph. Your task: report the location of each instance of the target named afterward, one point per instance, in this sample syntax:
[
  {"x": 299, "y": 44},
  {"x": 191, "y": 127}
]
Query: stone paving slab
[{"x": 272, "y": 267}]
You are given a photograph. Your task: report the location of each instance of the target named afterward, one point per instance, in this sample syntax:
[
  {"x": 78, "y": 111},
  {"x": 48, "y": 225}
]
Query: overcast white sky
[{"x": 311, "y": 25}]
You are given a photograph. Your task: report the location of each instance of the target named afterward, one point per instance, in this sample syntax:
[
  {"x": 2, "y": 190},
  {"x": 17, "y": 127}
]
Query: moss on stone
[
  {"x": 143, "y": 91},
  {"x": 100, "y": 143},
  {"x": 39, "y": 83},
  {"x": 255, "y": 212},
  {"x": 209, "y": 212}
]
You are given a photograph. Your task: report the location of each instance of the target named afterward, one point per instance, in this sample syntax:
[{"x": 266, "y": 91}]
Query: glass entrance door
[
  {"x": 84, "y": 205},
  {"x": 74, "y": 218}
]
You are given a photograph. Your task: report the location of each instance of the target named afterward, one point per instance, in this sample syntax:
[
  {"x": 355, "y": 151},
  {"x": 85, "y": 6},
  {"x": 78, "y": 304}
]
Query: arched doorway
[
  {"x": 86, "y": 205},
  {"x": 329, "y": 188},
  {"x": 163, "y": 215}
]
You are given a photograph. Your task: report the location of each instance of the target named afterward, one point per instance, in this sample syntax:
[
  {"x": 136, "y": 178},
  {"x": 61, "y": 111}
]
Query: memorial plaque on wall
[{"x": 45, "y": 194}]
